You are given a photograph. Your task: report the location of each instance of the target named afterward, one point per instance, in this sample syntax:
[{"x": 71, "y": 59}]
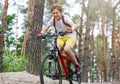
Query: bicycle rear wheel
[
  {"x": 48, "y": 68},
  {"x": 73, "y": 77}
]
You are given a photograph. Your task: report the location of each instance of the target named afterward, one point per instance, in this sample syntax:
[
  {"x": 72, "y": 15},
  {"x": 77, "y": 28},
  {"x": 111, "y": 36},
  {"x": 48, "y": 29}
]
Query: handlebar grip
[{"x": 43, "y": 36}]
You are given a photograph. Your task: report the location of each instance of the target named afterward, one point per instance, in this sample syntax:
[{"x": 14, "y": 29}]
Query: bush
[{"x": 13, "y": 63}]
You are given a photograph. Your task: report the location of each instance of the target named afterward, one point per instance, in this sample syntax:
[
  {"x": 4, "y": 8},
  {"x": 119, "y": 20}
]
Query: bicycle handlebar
[
  {"x": 53, "y": 35},
  {"x": 48, "y": 35}
]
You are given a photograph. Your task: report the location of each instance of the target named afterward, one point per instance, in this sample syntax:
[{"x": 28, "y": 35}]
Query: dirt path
[
  {"x": 26, "y": 78},
  {"x": 18, "y": 78}
]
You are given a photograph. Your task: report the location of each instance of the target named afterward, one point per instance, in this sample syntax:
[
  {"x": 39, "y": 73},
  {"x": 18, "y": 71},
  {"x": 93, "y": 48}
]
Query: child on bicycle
[{"x": 64, "y": 43}]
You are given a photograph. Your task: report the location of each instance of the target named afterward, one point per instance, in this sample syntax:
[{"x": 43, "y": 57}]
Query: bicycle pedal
[
  {"x": 78, "y": 74},
  {"x": 55, "y": 77},
  {"x": 49, "y": 76}
]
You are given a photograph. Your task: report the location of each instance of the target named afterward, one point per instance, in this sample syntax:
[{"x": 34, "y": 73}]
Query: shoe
[{"x": 78, "y": 69}]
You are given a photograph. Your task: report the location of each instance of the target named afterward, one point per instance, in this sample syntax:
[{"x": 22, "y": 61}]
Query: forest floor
[{"x": 26, "y": 78}]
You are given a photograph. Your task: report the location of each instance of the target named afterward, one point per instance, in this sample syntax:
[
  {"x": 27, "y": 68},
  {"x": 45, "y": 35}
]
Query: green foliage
[
  {"x": 12, "y": 63},
  {"x": 10, "y": 19},
  {"x": 19, "y": 47},
  {"x": 23, "y": 9},
  {"x": 76, "y": 18},
  {"x": 10, "y": 41}
]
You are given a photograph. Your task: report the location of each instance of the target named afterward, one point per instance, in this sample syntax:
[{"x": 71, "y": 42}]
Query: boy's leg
[{"x": 70, "y": 43}]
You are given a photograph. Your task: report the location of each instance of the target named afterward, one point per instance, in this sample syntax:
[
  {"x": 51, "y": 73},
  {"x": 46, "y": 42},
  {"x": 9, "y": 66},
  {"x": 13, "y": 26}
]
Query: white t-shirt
[{"x": 60, "y": 26}]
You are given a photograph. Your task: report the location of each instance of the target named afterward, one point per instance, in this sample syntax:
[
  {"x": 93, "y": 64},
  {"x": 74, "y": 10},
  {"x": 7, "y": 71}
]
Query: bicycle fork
[{"x": 49, "y": 66}]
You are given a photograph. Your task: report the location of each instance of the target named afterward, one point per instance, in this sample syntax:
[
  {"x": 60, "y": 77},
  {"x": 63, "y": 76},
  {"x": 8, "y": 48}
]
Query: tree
[
  {"x": 35, "y": 49},
  {"x": 105, "y": 47},
  {"x": 114, "y": 55},
  {"x": 27, "y": 36},
  {"x": 4, "y": 25},
  {"x": 86, "y": 56},
  {"x": 119, "y": 50},
  {"x": 80, "y": 29}
]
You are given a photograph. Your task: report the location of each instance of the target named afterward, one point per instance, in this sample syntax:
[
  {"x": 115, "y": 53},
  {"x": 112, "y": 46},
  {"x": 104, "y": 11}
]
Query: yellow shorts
[{"x": 66, "y": 41}]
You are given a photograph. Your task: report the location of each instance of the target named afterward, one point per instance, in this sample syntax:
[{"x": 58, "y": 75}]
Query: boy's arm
[
  {"x": 43, "y": 31},
  {"x": 72, "y": 28}
]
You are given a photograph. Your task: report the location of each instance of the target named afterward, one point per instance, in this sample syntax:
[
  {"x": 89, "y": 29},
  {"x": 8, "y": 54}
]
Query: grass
[{"x": 12, "y": 63}]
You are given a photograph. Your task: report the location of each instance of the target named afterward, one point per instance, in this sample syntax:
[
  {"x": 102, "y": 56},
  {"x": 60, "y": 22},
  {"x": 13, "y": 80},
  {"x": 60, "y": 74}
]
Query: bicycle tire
[
  {"x": 73, "y": 77},
  {"x": 80, "y": 76},
  {"x": 47, "y": 70}
]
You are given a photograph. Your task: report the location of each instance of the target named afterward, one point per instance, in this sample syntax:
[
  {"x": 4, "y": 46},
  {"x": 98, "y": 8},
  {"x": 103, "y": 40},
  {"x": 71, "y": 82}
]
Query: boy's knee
[{"x": 67, "y": 50}]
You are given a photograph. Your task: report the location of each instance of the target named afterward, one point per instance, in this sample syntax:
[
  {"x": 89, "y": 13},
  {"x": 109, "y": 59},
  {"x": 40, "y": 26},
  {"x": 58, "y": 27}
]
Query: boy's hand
[
  {"x": 69, "y": 30},
  {"x": 39, "y": 34}
]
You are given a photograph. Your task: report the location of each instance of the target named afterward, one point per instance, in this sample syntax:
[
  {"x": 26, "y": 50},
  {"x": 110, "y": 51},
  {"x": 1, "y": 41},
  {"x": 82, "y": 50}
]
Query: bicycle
[{"x": 57, "y": 66}]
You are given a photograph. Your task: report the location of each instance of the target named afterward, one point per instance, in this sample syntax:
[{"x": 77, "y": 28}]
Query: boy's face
[{"x": 57, "y": 14}]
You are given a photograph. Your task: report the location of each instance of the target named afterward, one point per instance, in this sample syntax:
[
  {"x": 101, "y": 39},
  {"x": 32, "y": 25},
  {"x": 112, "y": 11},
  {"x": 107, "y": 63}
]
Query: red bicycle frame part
[{"x": 64, "y": 61}]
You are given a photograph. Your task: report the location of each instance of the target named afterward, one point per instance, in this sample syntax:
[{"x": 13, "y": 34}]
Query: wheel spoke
[{"x": 47, "y": 71}]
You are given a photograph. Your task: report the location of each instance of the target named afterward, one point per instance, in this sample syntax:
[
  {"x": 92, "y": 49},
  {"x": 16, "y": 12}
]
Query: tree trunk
[
  {"x": 58, "y": 1},
  {"x": 26, "y": 42},
  {"x": 80, "y": 29},
  {"x": 119, "y": 52},
  {"x": 105, "y": 43},
  {"x": 35, "y": 50},
  {"x": 114, "y": 55},
  {"x": 93, "y": 56},
  {"x": 4, "y": 23},
  {"x": 86, "y": 56}
]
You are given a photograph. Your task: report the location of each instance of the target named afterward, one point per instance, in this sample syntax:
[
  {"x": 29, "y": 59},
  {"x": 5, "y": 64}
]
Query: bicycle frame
[{"x": 64, "y": 60}]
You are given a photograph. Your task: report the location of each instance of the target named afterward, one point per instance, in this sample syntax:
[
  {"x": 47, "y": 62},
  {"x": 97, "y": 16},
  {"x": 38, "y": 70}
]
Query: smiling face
[
  {"x": 57, "y": 11},
  {"x": 57, "y": 14}
]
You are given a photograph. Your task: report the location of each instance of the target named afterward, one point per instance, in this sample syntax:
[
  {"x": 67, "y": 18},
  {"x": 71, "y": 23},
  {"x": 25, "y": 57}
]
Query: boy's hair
[{"x": 56, "y": 6}]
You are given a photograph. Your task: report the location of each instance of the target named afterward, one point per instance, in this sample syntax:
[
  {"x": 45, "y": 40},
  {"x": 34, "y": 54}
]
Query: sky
[
  {"x": 75, "y": 9},
  {"x": 11, "y": 10}
]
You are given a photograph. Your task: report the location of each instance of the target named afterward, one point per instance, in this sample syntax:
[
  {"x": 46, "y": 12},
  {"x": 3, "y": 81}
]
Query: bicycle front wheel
[{"x": 50, "y": 72}]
